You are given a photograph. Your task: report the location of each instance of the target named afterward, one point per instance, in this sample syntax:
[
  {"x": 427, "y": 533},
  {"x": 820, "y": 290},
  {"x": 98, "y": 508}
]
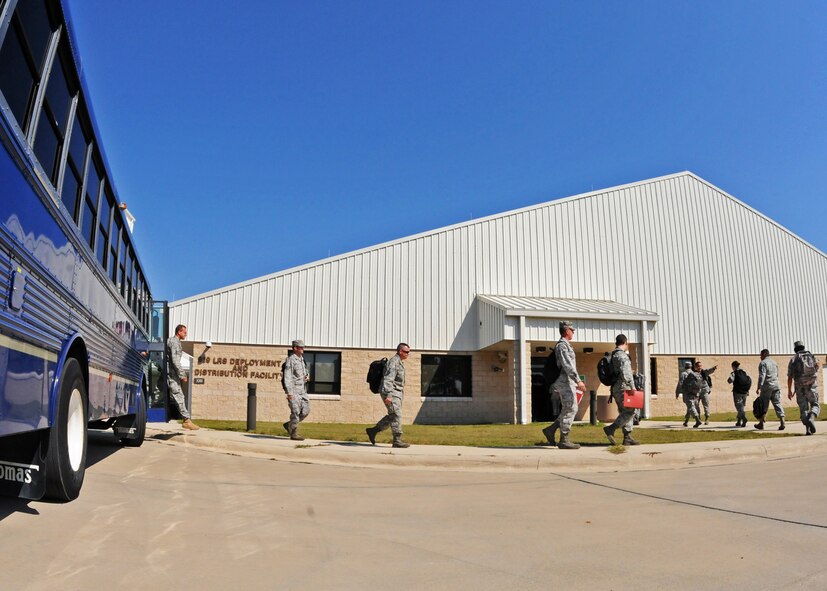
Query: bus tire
[
  {"x": 68, "y": 437},
  {"x": 139, "y": 423}
]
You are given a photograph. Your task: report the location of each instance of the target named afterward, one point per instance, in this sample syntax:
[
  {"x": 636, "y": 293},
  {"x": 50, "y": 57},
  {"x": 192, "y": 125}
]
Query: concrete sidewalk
[{"x": 592, "y": 458}]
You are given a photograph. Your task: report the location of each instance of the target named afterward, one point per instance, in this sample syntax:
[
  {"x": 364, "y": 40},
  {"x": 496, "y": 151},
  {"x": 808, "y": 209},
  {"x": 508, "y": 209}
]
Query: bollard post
[
  {"x": 251, "y": 407},
  {"x": 592, "y": 407}
]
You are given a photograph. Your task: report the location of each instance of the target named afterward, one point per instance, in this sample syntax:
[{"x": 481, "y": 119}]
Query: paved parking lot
[{"x": 167, "y": 516}]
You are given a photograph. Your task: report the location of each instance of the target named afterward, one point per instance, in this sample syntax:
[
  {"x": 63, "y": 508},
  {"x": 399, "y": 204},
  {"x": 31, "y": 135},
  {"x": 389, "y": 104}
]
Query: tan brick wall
[
  {"x": 225, "y": 396},
  {"x": 493, "y": 401}
]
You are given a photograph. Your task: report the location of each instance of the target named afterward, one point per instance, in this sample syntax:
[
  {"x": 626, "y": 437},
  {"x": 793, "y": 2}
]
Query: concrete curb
[{"x": 473, "y": 459}]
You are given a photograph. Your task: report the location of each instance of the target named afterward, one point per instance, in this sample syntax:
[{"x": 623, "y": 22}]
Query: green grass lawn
[{"x": 497, "y": 435}]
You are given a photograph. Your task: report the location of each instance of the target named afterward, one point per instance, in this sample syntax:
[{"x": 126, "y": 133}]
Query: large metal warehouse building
[{"x": 681, "y": 267}]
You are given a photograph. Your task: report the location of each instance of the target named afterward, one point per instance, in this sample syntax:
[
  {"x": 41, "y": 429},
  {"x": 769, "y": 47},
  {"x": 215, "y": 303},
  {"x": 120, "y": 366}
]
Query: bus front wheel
[{"x": 66, "y": 455}]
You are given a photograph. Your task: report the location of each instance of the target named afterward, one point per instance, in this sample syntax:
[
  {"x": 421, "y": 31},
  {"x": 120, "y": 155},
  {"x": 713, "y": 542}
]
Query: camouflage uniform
[
  {"x": 768, "y": 385},
  {"x": 566, "y": 385},
  {"x": 295, "y": 382},
  {"x": 806, "y": 391},
  {"x": 174, "y": 374},
  {"x": 706, "y": 389},
  {"x": 689, "y": 399},
  {"x": 393, "y": 386},
  {"x": 622, "y": 367}
]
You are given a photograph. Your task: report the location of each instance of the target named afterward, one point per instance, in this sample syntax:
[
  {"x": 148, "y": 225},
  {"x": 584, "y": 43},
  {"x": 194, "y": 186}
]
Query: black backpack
[
  {"x": 692, "y": 383},
  {"x": 551, "y": 371},
  {"x": 283, "y": 380},
  {"x": 605, "y": 372},
  {"x": 376, "y": 372},
  {"x": 741, "y": 382},
  {"x": 759, "y": 407}
]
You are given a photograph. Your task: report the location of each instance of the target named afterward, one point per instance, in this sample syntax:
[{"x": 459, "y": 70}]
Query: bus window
[
  {"x": 123, "y": 256},
  {"x": 22, "y": 56},
  {"x": 73, "y": 176},
  {"x": 51, "y": 127},
  {"x": 104, "y": 220},
  {"x": 90, "y": 203},
  {"x": 113, "y": 250}
]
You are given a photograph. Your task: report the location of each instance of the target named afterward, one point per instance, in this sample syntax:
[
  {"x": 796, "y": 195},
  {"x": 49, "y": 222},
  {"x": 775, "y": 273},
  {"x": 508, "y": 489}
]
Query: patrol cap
[
  {"x": 687, "y": 364},
  {"x": 798, "y": 346},
  {"x": 298, "y": 343},
  {"x": 564, "y": 324}
]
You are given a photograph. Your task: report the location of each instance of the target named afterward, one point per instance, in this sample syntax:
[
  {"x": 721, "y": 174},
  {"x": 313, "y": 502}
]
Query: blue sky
[{"x": 253, "y": 136}]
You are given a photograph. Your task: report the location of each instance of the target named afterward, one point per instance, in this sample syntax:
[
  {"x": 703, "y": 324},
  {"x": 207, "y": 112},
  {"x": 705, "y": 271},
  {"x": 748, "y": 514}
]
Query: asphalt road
[{"x": 171, "y": 517}]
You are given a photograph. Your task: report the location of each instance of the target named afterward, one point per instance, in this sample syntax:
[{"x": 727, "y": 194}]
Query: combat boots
[
  {"x": 697, "y": 423},
  {"x": 294, "y": 433},
  {"x": 565, "y": 443},
  {"x": 610, "y": 434},
  {"x": 550, "y": 432},
  {"x": 189, "y": 425},
  {"x": 759, "y": 425},
  {"x": 397, "y": 441},
  {"x": 372, "y": 431},
  {"x": 811, "y": 428},
  {"x": 628, "y": 440},
  {"x": 782, "y": 426}
]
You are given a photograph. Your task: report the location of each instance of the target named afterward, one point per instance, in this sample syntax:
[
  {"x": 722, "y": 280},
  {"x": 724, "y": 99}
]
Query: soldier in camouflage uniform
[
  {"x": 739, "y": 397},
  {"x": 566, "y": 387},
  {"x": 803, "y": 371},
  {"x": 294, "y": 379},
  {"x": 176, "y": 376},
  {"x": 768, "y": 389},
  {"x": 392, "y": 392},
  {"x": 624, "y": 380},
  {"x": 706, "y": 388},
  {"x": 690, "y": 399}
]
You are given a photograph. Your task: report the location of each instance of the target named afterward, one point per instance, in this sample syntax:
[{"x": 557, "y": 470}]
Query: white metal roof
[
  {"x": 538, "y": 307},
  {"x": 721, "y": 277}
]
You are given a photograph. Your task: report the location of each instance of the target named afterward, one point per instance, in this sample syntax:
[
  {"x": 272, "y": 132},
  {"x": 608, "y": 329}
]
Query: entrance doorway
[{"x": 542, "y": 409}]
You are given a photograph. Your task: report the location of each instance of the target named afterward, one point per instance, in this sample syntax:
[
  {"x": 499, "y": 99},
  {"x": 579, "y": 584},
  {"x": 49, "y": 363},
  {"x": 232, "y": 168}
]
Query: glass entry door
[{"x": 156, "y": 369}]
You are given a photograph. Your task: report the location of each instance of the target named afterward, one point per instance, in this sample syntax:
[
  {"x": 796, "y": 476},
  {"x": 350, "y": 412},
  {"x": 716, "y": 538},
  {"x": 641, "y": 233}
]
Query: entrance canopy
[
  {"x": 523, "y": 318},
  {"x": 596, "y": 321}
]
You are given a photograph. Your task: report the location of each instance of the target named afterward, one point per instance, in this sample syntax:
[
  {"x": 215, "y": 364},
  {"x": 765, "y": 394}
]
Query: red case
[{"x": 633, "y": 399}]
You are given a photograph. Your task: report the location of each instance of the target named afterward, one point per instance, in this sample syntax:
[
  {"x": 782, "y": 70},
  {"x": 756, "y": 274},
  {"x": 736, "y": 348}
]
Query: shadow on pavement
[{"x": 164, "y": 436}]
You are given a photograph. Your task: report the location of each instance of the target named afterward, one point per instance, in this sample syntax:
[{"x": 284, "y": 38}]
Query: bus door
[{"x": 156, "y": 376}]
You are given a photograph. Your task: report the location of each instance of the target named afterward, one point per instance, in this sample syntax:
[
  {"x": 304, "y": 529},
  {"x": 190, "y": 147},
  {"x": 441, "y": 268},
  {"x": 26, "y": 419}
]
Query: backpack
[
  {"x": 805, "y": 367},
  {"x": 283, "y": 372},
  {"x": 605, "y": 371},
  {"x": 759, "y": 407},
  {"x": 692, "y": 383},
  {"x": 376, "y": 372},
  {"x": 741, "y": 382},
  {"x": 639, "y": 380},
  {"x": 551, "y": 371}
]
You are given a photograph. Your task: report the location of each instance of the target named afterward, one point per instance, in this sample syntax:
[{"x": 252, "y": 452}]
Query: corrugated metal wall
[{"x": 723, "y": 278}]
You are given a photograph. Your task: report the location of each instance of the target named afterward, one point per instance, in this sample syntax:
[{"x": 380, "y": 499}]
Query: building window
[
  {"x": 653, "y": 374},
  {"x": 325, "y": 370},
  {"x": 446, "y": 375},
  {"x": 683, "y": 361}
]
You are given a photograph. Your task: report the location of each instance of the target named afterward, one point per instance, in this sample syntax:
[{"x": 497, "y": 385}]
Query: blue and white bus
[{"x": 75, "y": 306}]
